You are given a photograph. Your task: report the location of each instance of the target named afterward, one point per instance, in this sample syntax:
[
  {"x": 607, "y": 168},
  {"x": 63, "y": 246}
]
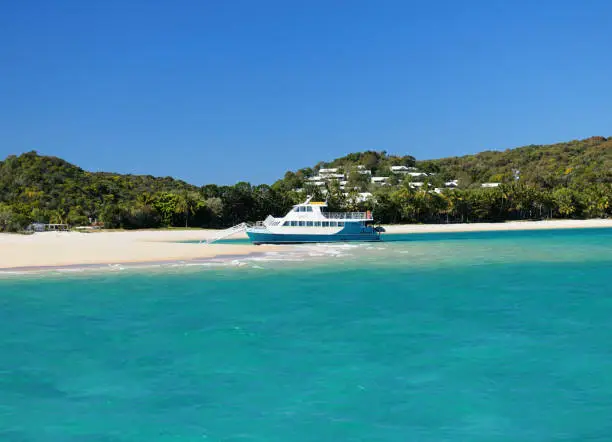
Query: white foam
[{"x": 71, "y": 270}]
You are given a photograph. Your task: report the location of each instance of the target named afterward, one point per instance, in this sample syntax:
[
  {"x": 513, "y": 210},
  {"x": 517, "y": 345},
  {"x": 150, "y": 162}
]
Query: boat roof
[{"x": 309, "y": 202}]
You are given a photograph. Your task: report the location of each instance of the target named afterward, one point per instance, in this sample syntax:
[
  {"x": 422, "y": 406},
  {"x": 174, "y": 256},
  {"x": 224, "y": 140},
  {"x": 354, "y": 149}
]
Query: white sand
[
  {"x": 55, "y": 249},
  {"x": 489, "y": 227}
]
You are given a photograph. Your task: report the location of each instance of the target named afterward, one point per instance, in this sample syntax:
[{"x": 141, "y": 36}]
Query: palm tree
[
  {"x": 145, "y": 199},
  {"x": 188, "y": 203},
  {"x": 58, "y": 216}
]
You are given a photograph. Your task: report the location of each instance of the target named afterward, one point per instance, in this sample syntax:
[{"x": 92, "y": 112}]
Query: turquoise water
[{"x": 456, "y": 337}]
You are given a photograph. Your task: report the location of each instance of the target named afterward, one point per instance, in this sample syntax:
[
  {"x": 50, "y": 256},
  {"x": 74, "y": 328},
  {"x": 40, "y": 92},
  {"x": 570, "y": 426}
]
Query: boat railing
[
  {"x": 346, "y": 215},
  {"x": 226, "y": 233}
]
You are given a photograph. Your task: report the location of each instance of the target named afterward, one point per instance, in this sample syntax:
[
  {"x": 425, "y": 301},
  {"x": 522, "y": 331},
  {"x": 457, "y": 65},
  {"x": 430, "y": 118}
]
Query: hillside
[
  {"x": 547, "y": 166},
  {"x": 565, "y": 180},
  {"x": 34, "y": 177},
  {"x": 53, "y": 188},
  {"x": 36, "y": 188}
]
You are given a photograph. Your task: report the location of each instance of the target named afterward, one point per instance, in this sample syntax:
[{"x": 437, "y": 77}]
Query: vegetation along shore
[{"x": 571, "y": 180}]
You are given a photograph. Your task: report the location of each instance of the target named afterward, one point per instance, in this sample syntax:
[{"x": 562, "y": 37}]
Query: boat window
[
  {"x": 317, "y": 223},
  {"x": 302, "y": 223},
  {"x": 286, "y": 223},
  {"x": 325, "y": 223},
  {"x": 308, "y": 209},
  {"x": 309, "y": 223},
  {"x": 333, "y": 223},
  {"x": 340, "y": 224}
]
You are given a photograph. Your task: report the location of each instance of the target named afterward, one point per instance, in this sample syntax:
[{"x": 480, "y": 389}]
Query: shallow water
[{"x": 498, "y": 336}]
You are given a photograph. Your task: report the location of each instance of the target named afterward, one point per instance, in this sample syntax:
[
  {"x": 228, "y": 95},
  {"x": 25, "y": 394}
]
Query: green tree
[
  {"x": 166, "y": 204},
  {"x": 187, "y": 203},
  {"x": 565, "y": 201},
  {"x": 7, "y": 219},
  {"x": 59, "y": 216}
]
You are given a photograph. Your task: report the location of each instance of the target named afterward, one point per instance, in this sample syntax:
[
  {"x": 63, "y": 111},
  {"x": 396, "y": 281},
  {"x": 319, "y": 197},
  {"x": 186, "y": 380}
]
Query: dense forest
[{"x": 565, "y": 180}]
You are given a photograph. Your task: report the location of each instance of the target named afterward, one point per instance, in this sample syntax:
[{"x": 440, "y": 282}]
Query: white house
[
  {"x": 416, "y": 184},
  {"x": 402, "y": 169},
  {"x": 328, "y": 171},
  {"x": 490, "y": 184},
  {"x": 452, "y": 183},
  {"x": 416, "y": 174},
  {"x": 379, "y": 180},
  {"x": 324, "y": 177}
]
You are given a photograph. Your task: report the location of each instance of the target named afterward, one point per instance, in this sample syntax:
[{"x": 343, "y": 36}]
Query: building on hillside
[
  {"x": 362, "y": 170},
  {"x": 416, "y": 174},
  {"x": 490, "y": 185},
  {"x": 452, "y": 183},
  {"x": 417, "y": 184},
  {"x": 327, "y": 172},
  {"x": 382, "y": 180},
  {"x": 403, "y": 169}
]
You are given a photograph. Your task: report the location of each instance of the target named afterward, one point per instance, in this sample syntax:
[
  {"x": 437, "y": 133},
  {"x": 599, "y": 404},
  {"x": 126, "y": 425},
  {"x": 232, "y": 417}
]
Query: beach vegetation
[{"x": 564, "y": 180}]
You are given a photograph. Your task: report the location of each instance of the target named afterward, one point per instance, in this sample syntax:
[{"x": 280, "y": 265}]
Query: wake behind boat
[{"x": 311, "y": 222}]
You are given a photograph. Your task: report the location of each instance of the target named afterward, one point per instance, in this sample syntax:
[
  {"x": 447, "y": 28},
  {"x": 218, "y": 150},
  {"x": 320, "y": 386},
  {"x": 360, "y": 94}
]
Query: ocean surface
[{"x": 503, "y": 336}]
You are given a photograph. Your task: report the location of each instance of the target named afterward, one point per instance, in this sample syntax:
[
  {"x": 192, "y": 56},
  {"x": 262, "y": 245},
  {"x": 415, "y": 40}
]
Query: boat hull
[{"x": 263, "y": 237}]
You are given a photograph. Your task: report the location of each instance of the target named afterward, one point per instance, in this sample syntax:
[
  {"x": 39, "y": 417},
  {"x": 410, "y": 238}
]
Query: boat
[{"x": 311, "y": 222}]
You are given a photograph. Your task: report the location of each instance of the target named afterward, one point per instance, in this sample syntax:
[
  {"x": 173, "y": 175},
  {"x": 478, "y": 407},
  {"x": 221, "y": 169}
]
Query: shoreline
[
  {"x": 499, "y": 227},
  {"x": 70, "y": 268},
  {"x": 53, "y": 250},
  {"x": 75, "y": 251}
]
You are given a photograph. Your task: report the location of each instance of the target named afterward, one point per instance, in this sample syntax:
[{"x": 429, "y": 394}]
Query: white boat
[{"x": 311, "y": 222}]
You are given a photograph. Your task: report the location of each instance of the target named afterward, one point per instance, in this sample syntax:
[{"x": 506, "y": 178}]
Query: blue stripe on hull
[{"x": 273, "y": 238}]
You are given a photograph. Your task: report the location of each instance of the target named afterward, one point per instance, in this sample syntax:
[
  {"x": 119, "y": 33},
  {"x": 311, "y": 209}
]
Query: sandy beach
[
  {"x": 58, "y": 249},
  {"x": 493, "y": 227}
]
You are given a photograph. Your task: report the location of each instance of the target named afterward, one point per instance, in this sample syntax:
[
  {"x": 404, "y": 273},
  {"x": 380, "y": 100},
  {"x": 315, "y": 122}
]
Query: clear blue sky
[{"x": 223, "y": 91}]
